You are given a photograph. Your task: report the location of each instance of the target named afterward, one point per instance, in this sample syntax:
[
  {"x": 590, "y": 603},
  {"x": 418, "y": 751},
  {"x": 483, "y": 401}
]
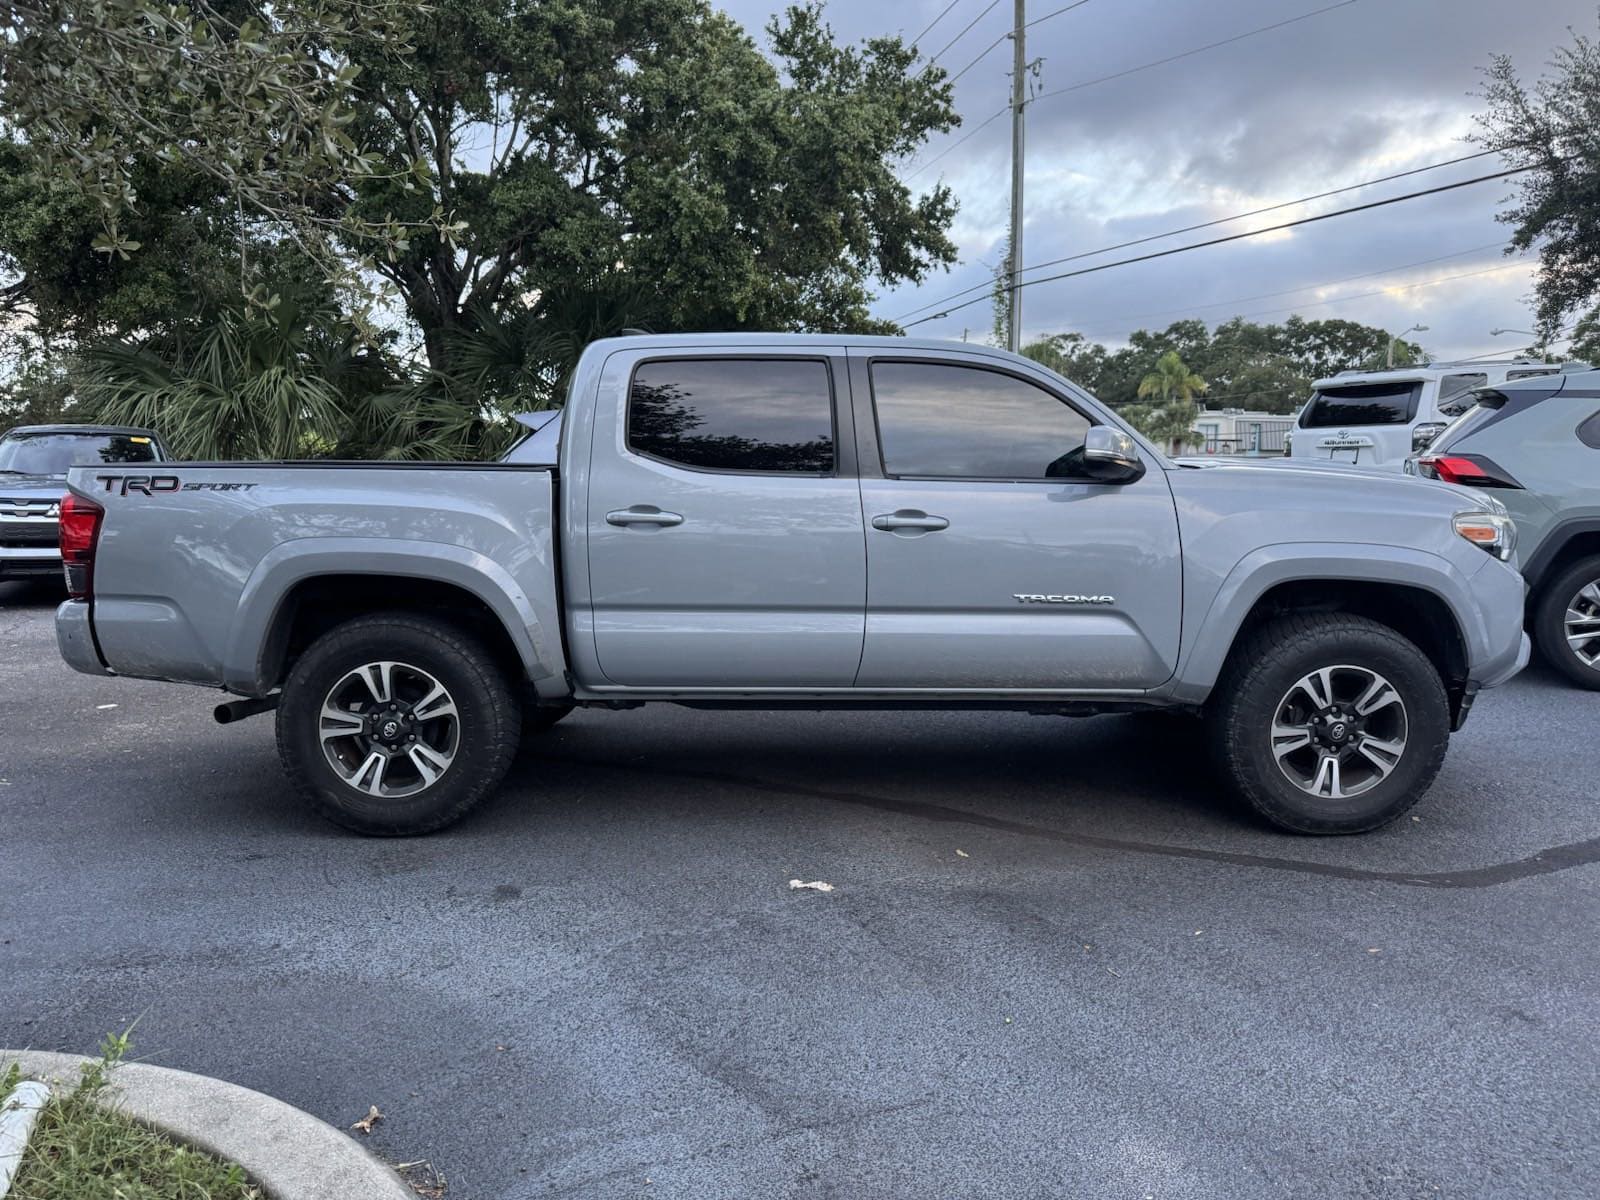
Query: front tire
[
  {"x": 1566, "y": 623},
  {"x": 396, "y": 724},
  {"x": 1328, "y": 723}
]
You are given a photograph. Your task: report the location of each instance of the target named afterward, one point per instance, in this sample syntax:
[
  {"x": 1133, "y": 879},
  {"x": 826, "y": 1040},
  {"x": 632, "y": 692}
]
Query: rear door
[
  {"x": 724, "y": 523},
  {"x": 989, "y": 565}
]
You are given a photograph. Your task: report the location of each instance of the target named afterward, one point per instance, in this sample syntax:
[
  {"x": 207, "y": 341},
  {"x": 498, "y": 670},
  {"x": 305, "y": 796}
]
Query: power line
[
  {"x": 984, "y": 53},
  {"x": 1234, "y": 237},
  {"x": 1119, "y": 74},
  {"x": 1310, "y": 287},
  {"x": 987, "y": 121},
  {"x": 1255, "y": 212},
  {"x": 1409, "y": 287},
  {"x": 935, "y": 21},
  {"x": 1172, "y": 58},
  {"x": 966, "y": 29}
]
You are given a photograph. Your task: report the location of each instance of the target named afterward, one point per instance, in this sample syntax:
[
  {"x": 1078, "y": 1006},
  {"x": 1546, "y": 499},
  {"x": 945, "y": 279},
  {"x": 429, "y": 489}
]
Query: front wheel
[
  {"x": 1566, "y": 624},
  {"x": 1328, "y": 723},
  {"x": 396, "y": 724}
]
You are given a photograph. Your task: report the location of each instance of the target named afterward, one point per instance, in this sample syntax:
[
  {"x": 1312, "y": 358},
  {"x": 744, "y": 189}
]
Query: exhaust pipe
[{"x": 238, "y": 710}]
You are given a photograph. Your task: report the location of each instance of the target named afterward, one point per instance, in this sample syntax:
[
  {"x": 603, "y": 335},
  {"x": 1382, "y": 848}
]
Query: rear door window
[
  {"x": 1362, "y": 404},
  {"x": 750, "y": 415}
]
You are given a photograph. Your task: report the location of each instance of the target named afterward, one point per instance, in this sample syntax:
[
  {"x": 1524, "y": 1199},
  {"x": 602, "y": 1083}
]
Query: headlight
[{"x": 1494, "y": 532}]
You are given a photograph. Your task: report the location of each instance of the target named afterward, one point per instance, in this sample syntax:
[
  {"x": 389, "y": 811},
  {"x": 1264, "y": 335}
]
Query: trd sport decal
[{"x": 157, "y": 485}]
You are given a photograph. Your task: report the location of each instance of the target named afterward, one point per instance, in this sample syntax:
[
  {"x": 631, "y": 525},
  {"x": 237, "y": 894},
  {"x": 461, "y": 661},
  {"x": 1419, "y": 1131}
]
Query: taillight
[
  {"x": 80, "y": 530},
  {"x": 1472, "y": 470}
]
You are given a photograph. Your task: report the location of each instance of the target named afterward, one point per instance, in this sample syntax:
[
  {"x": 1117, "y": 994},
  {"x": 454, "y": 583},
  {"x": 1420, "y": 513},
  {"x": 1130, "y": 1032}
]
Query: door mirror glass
[{"x": 1111, "y": 456}]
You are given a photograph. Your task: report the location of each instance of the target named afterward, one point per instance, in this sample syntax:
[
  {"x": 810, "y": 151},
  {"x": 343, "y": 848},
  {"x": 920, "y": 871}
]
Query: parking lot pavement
[{"x": 1055, "y": 963}]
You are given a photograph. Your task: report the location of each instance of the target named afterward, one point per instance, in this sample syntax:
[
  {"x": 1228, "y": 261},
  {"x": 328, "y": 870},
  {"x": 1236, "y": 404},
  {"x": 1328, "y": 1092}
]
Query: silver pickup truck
[{"x": 786, "y": 521}]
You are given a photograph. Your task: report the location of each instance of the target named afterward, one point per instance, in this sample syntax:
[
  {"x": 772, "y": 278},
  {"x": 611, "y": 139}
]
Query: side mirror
[{"x": 1111, "y": 456}]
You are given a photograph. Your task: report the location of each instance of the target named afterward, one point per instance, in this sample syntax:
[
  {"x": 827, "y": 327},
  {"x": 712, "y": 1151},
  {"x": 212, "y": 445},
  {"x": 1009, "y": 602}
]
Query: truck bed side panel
[{"x": 195, "y": 560}]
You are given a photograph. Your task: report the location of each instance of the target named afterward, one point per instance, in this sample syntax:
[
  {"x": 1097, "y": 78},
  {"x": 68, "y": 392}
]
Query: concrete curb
[{"x": 290, "y": 1153}]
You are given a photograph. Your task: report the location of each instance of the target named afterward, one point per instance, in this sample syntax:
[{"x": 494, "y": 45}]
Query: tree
[
  {"x": 249, "y": 95},
  {"x": 1548, "y": 127},
  {"x": 647, "y": 144},
  {"x": 1171, "y": 388}
]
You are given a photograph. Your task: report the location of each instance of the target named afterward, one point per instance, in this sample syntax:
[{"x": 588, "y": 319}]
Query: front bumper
[{"x": 75, "y": 638}]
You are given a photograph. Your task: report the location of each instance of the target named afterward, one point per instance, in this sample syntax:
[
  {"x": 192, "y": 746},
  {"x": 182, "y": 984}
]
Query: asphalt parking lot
[{"x": 1056, "y": 962}]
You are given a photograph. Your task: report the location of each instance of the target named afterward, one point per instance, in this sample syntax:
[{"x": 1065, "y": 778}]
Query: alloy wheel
[
  {"x": 1582, "y": 624},
  {"x": 389, "y": 729},
  {"x": 1339, "y": 731}
]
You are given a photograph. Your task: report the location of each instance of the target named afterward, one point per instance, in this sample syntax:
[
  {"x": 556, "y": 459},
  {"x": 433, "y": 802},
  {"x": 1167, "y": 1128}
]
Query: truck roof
[
  {"x": 91, "y": 430},
  {"x": 810, "y": 341}
]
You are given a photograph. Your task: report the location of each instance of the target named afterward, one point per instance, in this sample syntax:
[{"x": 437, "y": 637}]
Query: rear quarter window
[
  {"x": 1589, "y": 432},
  {"x": 1362, "y": 404}
]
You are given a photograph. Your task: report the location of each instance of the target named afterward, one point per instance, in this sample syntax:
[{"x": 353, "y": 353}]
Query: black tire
[
  {"x": 482, "y": 734},
  {"x": 1263, "y": 675},
  {"x": 536, "y": 718},
  {"x": 1550, "y": 621}
]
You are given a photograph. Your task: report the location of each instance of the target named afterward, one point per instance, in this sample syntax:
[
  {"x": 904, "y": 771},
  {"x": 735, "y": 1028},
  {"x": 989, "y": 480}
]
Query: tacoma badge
[{"x": 1024, "y": 598}]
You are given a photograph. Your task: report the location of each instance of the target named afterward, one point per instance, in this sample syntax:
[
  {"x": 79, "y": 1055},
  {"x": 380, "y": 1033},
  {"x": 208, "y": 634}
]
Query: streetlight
[
  {"x": 1544, "y": 350},
  {"x": 1396, "y": 337}
]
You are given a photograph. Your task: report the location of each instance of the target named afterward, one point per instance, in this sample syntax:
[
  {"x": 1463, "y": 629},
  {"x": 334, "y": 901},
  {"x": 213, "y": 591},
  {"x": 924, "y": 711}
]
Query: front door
[
  {"x": 989, "y": 564},
  {"x": 724, "y": 538}
]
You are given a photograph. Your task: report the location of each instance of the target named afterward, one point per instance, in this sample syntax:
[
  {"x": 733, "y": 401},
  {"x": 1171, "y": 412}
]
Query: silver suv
[{"x": 1535, "y": 443}]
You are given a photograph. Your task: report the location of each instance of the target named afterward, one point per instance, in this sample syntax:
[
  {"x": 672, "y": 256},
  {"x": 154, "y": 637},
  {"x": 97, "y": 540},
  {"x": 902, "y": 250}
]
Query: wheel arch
[
  {"x": 1564, "y": 545},
  {"x": 298, "y": 592},
  {"x": 1419, "y": 595}
]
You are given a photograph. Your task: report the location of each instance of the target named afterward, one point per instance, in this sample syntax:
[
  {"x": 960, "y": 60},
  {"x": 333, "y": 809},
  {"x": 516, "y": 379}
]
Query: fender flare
[
  {"x": 1562, "y": 532},
  {"x": 245, "y": 668},
  {"x": 1209, "y": 640}
]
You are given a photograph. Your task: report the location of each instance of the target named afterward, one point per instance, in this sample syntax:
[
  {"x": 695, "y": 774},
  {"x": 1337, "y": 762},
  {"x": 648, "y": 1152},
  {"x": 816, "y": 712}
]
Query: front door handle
[
  {"x": 643, "y": 514},
  {"x": 909, "y": 519}
]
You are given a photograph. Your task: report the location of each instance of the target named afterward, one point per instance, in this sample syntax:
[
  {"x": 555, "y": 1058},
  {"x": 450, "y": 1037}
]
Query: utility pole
[{"x": 1019, "y": 97}]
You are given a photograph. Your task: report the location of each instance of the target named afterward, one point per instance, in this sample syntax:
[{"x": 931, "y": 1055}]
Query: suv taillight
[
  {"x": 80, "y": 530},
  {"x": 1473, "y": 470}
]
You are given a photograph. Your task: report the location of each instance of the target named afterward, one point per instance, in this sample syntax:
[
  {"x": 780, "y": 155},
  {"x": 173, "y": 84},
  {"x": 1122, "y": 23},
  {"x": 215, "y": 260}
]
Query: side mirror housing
[{"x": 1111, "y": 456}]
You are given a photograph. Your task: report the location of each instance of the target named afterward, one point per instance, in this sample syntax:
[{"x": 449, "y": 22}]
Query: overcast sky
[{"x": 1365, "y": 89}]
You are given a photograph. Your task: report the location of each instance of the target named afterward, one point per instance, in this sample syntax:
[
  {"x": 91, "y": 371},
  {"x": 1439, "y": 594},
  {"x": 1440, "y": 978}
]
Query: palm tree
[{"x": 1170, "y": 417}]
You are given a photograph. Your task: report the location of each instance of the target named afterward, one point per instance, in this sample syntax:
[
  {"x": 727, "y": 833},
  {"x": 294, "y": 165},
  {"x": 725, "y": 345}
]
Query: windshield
[
  {"x": 55, "y": 453},
  {"x": 1362, "y": 404}
]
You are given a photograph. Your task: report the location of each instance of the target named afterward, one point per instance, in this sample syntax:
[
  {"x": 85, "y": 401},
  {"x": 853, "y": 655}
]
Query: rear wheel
[
  {"x": 396, "y": 724},
  {"x": 1329, "y": 723},
  {"x": 1566, "y": 623}
]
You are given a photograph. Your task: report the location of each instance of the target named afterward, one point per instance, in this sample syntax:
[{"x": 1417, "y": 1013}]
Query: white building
[{"x": 1237, "y": 431}]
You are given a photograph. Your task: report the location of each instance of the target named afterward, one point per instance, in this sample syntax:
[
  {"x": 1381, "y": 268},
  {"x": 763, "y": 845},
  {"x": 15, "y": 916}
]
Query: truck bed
[{"x": 197, "y": 562}]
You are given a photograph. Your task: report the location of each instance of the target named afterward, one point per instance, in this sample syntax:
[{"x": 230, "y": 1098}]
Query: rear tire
[
  {"x": 396, "y": 724},
  {"x": 1569, "y": 605},
  {"x": 1329, "y": 723}
]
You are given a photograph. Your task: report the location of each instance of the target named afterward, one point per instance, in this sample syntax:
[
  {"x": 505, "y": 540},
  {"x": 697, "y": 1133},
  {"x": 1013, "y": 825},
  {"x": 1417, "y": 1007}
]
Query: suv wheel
[
  {"x": 1329, "y": 723},
  {"x": 1566, "y": 624},
  {"x": 396, "y": 724}
]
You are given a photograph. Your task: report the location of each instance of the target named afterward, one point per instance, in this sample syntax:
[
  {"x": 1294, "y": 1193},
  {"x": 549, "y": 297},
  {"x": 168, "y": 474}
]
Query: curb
[{"x": 290, "y": 1153}]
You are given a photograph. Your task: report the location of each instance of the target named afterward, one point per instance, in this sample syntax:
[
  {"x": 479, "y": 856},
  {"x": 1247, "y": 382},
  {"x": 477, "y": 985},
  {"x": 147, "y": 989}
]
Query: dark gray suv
[{"x": 1535, "y": 444}]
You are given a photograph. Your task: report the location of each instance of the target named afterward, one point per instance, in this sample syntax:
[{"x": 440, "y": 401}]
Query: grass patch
[{"x": 83, "y": 1149}]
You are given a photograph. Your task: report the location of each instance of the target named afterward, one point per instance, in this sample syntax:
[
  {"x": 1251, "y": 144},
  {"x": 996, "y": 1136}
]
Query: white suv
[{"x": 1378, "y": 418}]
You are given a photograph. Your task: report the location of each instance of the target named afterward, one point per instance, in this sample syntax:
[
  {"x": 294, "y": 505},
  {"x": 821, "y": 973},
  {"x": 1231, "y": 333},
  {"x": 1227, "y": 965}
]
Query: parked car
[
  {"x": 1378, "y": 418},
  {"x": 34, "y": 461},
  {"x": 1536, "y": 444},
  {"x": 786, "y": 521}
]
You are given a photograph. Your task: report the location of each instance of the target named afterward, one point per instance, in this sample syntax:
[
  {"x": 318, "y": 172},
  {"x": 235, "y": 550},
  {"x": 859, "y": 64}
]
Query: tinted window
[
  {"x": 1362, "y": 404},
  {"x": 56, "y": 453},
  {"x": 968, "y": 423},
  {"x": 1589, "y": 432},
  {"x": 747, "y": 414}
]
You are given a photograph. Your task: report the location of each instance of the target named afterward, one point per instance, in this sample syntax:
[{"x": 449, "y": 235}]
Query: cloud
[{"x": 1364, "y": 90}]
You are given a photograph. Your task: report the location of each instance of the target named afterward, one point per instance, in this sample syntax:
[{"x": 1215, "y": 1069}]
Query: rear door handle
[
  {"x": 643, "y": 514},
  {"x": 910, "y": 519}
]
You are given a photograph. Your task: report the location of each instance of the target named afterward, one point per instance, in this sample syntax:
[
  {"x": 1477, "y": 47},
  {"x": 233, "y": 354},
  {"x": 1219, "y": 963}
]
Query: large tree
[
  {"x": 1549, "y": 127},
  {"x": 647, "y": 144}
]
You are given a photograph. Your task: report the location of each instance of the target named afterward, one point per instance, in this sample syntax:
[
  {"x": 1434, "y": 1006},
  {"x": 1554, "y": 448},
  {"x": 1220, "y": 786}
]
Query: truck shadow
[{"x": 41, "y": 593}]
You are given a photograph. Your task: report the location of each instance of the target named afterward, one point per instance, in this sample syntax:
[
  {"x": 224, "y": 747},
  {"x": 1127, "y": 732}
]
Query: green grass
[{"x": 83, "y": 1149}]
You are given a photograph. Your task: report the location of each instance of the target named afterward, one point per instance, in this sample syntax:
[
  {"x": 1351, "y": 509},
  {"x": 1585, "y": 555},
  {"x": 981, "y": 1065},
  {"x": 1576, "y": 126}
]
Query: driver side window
[{"x": 941, "y": 421}]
